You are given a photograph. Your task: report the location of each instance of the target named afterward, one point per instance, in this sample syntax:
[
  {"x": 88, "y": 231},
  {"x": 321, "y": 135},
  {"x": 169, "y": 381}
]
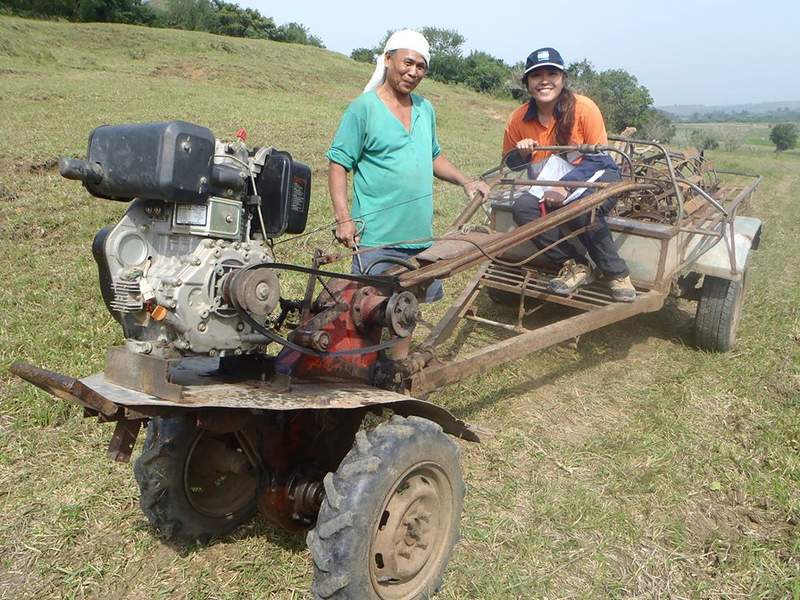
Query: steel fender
[
  {"x": 716, "y": 261},
  {"x": 98, "y": 394},
  {"x": 449, "y": 423}
]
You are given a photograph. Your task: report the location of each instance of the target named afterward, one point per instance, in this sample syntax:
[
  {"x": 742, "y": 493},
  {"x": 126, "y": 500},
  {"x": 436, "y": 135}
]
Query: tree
[
  {"x": 363, "y": 55},
  {"x": 443, "y": 41},
  {"x": 784, "y": 136},
  {"x": 447, "y": 68},
  {"x": 236, "y": 21},
  {"x": 193, "y": 15},
  {"x": 657, "y": 126},
  {"x": 295, "y": 33},
  {"x": 703, "y": 140},
  {"x": 484, "y": 73},
  {"x": 623, "y": 102}
]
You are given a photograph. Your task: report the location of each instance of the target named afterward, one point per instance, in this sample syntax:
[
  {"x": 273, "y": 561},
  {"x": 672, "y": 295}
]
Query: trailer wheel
[
  {"x": 719, "y": 311},
  {"x": 390, "y": 516},
  {"x": 194, "y": 484}
]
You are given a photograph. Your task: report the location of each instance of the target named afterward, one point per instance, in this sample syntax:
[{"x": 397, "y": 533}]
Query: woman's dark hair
[{"x": 564, "y": 113}]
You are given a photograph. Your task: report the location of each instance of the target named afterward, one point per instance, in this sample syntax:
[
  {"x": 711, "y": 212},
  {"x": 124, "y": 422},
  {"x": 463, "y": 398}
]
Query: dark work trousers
[{"x": 597, "y": 240}]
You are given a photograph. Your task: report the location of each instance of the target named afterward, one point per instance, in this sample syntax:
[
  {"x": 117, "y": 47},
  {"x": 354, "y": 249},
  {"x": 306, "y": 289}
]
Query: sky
[{"x": 710, "y": 52}]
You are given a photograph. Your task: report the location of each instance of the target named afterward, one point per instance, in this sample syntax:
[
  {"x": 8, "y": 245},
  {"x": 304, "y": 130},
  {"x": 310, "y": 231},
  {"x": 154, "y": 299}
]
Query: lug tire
[
  {"x": 390, "y": 517},
  {"x": 719, "y": 311},
  {"x": 167, "y": 479}
]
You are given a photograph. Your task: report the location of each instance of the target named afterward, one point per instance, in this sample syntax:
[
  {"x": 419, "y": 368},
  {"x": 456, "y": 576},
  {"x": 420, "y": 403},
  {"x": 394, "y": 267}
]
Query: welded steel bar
[
  {"x": 437, "y": 375},
  {"x": 448, "y": 322},
  {"x": 470, "y": 209},
  {"x": 745, "y": 193},
  {"x": 556, "y": 183},
  {"x": 447, "y": 268}
]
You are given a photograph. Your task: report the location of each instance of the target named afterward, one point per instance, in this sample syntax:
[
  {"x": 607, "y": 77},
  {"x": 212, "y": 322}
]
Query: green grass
[
  {"x": 731, "y": 136},
  {"x": 632, "y": 466}
]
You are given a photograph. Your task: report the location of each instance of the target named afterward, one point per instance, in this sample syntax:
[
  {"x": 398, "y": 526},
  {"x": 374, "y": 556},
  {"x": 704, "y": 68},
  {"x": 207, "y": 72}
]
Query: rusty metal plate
[
  {"x": 456, "y": 245},
  {"x": 207, "y": 391},
  {"x": 215, "y": 393}
]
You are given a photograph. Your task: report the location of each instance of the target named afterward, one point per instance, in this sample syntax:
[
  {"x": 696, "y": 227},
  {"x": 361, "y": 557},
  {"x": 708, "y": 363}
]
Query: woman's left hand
[{"x": 554, "y": 199}]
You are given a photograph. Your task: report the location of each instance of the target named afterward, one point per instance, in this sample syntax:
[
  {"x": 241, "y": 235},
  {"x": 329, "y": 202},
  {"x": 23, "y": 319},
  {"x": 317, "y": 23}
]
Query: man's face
[{"x": 404, "y": 70}]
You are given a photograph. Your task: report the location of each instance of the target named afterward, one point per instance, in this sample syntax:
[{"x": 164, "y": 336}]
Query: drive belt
[{"x": 378, "y": 281}]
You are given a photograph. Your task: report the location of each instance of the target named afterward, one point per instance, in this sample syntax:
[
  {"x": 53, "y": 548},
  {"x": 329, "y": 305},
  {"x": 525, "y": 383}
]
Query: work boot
[
  {"x": 570, "y": 278},
  {"x": 622, "y": 289}
]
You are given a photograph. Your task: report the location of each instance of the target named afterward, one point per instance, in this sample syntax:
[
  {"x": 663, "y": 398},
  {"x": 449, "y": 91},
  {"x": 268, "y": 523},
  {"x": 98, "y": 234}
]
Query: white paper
[
  {"x": 554, "y": 169},
  {"x": 574, "y": 195}
]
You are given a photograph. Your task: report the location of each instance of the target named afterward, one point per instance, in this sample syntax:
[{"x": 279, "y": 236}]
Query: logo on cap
[{"x": 543, "y": 55}]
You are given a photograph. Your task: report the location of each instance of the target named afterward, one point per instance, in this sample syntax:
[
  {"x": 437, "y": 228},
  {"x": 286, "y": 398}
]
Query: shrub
[
  {"x": 703, "y": 140},
  {"x": 366, "y": 55},
  {"x": 784, "y": 136}
]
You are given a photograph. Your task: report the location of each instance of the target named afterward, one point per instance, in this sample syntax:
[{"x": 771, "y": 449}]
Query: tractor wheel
[
  {"x": 719, "y": 311},
  {"x": 194, "y": 484},
  {"x": 390, "y": 516}
]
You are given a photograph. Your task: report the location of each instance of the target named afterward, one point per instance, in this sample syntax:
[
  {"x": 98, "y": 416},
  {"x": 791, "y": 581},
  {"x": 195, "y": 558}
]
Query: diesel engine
[{"x": 173, "y": 270}]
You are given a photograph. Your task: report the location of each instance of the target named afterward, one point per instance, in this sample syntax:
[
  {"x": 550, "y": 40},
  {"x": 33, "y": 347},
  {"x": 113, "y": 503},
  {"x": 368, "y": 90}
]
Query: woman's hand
[
  {"x": 527, "y": 145},
  {"x": 554, "y": 199}
]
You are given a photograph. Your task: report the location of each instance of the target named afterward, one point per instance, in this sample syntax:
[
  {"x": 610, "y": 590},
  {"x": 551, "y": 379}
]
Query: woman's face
[{"x": 545, "y": 84}]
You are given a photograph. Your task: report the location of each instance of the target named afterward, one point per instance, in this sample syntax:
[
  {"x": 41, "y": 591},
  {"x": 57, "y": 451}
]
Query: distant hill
[{"x": 689, "y": 111}]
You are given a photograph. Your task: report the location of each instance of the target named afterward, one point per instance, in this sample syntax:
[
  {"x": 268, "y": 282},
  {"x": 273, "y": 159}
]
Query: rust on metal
[
  {"x": 66, "y": 387},
  {"x": 204, "y": 391},
  {"x": 434, "y": 376},
  {"x": 123, "y": 439},
  {"x": 141, "y": 372}
]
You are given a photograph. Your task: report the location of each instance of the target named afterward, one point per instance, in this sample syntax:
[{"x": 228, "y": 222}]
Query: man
[{"x": 387, "y": 138}]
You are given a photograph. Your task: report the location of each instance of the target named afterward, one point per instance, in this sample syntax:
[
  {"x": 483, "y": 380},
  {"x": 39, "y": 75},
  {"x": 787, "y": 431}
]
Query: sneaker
[
  {"x": 570, "y": 278},
  {"x": 622, "y": 289}
]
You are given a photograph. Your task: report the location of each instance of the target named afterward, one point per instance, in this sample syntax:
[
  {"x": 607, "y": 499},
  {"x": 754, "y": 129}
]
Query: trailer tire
[
  {"x": 390, "y": 516},
  {"x": 176, "y": 460},
  {"x": 719, "y": 311}
]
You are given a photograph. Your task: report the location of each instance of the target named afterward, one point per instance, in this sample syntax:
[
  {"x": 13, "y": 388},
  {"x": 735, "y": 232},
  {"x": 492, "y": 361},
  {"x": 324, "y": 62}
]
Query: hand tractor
[{"x": 307, "y": 410}]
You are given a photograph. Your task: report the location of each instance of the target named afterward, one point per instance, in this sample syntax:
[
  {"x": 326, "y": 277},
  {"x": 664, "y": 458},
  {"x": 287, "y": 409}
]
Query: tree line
[
  {"x": 213, "y": 16},
  {"x": 622, "y": 99},
  {"x": 778, "y": 115}
]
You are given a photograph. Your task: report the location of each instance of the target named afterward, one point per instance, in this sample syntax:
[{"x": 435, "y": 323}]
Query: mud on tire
[
  {"x": 194, "y": 485},
  {"x": 390, "y": 517}
]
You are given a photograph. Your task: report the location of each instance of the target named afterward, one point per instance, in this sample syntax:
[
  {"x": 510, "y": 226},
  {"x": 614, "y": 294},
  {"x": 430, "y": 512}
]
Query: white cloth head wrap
[{"x": 405, "y": 38}]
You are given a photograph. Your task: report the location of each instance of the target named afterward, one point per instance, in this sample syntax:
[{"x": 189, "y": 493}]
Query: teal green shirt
[{"x": 392, "y": 169}]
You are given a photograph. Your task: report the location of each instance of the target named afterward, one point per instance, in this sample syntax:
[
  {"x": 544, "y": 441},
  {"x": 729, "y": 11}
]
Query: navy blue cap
[{"x": 543, "y": 57}]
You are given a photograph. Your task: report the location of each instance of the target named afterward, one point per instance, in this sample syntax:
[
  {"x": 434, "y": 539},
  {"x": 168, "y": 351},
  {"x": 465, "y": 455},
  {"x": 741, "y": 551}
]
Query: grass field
[
  {"x": 633, "y": 466},
  {"x": 744, "y": 136}
]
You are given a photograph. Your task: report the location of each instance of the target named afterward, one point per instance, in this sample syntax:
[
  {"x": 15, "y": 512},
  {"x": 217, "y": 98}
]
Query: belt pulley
[{"x": 384, "y": 281}]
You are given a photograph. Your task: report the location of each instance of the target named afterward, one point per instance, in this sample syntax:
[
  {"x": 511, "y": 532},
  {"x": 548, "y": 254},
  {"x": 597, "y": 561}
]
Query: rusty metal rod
[
  {"x": 435, "y": 375},
  {"x": 447, "y": 268},
  {"x": 556, "y": 183}
]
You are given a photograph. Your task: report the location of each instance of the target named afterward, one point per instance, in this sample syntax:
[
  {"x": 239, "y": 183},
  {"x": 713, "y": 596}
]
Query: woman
[{"x": 556, "y": 116}]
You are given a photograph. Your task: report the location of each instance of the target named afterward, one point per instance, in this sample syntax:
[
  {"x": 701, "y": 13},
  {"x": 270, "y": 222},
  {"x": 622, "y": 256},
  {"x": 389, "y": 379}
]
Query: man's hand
[
  {"x": 554, "y": 199},
  {"x": 346, "y": 233},
  {"x": 476, "y": 187},
  {"x": 527, "y": 145}
]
